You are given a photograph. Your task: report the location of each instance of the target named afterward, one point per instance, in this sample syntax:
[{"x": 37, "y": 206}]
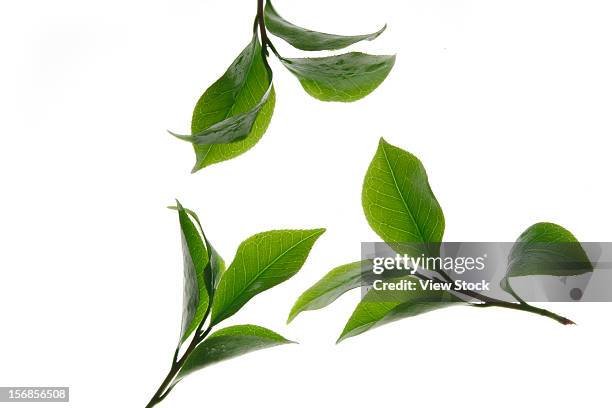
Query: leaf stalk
[{"x": 491, "y": 302}]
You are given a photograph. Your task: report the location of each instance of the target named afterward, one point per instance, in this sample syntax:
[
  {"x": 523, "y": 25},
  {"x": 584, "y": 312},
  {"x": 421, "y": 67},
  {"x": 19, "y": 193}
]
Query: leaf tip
[
  {"x": 293, "y": 314},
  {"x": 319, "y": 231},
  {"x": 342, "y": 337},
  {"x": 185, "y": 138}
]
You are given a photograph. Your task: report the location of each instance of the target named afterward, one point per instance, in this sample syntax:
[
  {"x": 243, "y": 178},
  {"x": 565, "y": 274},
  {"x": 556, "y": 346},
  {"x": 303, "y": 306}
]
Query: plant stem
[
  {"x": 167, "y": 385},
  {"x": 491, "y": 302},
  {"x": 260, "y": 21},
  {"x": 528, "y": 308}
]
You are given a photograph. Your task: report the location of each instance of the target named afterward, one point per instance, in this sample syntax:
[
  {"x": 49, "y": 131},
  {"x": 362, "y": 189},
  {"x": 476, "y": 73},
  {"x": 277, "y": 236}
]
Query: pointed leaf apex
[
  {"x": 185, "y": 138},
  {"x": 292, "y": 315}
]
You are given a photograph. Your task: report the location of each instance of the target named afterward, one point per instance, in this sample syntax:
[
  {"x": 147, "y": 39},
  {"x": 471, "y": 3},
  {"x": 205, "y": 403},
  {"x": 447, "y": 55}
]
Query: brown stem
[
  {"x": 260, "y": 21},
  {"x": 491, "y": 302}
]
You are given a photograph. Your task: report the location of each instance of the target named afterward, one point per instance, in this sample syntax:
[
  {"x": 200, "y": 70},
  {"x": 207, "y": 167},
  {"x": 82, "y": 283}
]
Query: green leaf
[
  {"x": 230, "y": 130},
  {"x": 309, "y": 40},
  {"x": 547, "y": 249},
  {"x": 381, "y": 307},
  {"x": 261, "y": 262},
  {"x": 333, "y": 285},
  {"x": 195, "y": 259},
  {"x": 234, "y": 113},
  {"x": 216, "y": 266},
  {"x": 341, "y": 78},
  {"x": 228, "y": 343},
  {"x": 399, "y": 204}
]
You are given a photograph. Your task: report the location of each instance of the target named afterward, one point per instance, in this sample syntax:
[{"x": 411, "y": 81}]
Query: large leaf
[
  {"x": 341, "y": 78},
  {"x": 195, "y": 259},
  {"x": 381, "y": 307},
  {"x": 333, "y": 285},
  {"x": 309, "y": 40},
  {"x": 399, "y": 204},
  {"x": 228, "y": 343},
  {"x": 547, "y": 249},
  {"x": 261, "y": 262},
  {"x": 234, "y": 113}
]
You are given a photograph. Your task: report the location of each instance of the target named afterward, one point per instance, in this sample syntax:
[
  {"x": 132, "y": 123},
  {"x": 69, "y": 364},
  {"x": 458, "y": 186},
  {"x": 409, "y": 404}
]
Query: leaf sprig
[
  {"x": 234, "y": 113},
  {"x": 401, "y": 208},
  {"x": 213, "y": 293}
]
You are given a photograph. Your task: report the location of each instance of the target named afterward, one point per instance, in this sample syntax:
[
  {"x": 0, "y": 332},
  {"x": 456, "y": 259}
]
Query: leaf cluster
[
  {"x": 233, "y": 113},
  {"x": 401, "y": 208},
  {"x": 214, "y": 293}
]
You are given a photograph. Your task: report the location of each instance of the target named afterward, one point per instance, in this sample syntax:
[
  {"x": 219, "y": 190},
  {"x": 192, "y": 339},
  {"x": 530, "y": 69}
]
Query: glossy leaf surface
[
  {"x": 234, "y": 113},
  {"x": 341, "y": 78},
  {"x": 195, "y": 259},
  {"x": 228, "y": 343},
  {"x": 309, "y": 40}
]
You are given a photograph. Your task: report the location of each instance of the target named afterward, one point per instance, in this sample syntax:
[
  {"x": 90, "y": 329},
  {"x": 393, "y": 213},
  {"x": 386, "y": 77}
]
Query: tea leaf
[
  {"x": 195, "y": 259},
  {"x": 309, "y": 40},
  {"x": 398, "y": 202},
  {"x": 547, "y": 249},
  {"x": 228, "y": 343},
  {"x": 341, "y": 78},
  {"x": 261, "y": 262},
  {"x": 216, "y": 266},
  {"x": 234, "y": 113},
  {"x": 230, "y": 130},
  {"x": 381, "y": 307},
  {"x": 333, "y": 285}
]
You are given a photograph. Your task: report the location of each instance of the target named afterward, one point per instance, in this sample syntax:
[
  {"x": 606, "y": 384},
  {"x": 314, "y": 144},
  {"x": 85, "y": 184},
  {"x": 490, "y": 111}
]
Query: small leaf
[
  {"x": 234, "y": 113},
  {"x": 261, "y": 262},
  {"x": 545, "y": 249},
  {"x": 228, "y": 343},
  {"x": 309, "y": 40},
  {"x": 195, "y": 258},
  {"x": 381, "y": 307},
  {"x": 341, "y": 78},
  {"x": 399, "y": 204},
  {"x": 333, "y": 285},
  {"x": 216, "y": 266}
]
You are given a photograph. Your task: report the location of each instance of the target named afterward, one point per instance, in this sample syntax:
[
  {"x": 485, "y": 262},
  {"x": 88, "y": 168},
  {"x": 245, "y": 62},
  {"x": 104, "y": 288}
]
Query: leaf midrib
[
  {"x": 400, "y": 194},
  {"x": 269, "y": 265}
]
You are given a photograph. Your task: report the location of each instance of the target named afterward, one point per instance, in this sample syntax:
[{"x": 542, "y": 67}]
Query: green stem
[{"x": 167, "y": 385}]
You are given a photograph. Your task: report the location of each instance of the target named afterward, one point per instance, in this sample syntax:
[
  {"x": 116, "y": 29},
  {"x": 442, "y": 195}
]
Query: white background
[{"x": 506, "y": 103}]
